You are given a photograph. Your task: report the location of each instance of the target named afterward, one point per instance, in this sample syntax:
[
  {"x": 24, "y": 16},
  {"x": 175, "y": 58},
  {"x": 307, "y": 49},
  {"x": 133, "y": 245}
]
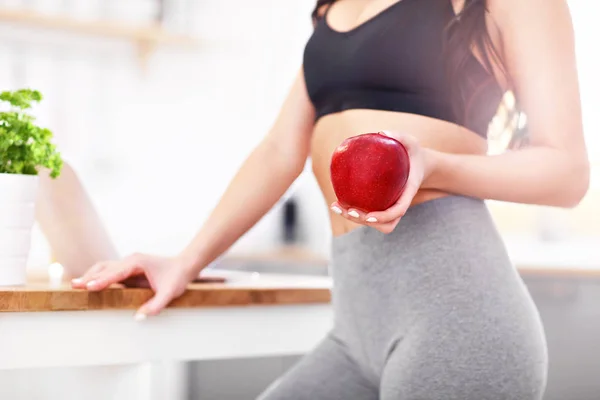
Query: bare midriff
[{"x": 331, "y": 130}]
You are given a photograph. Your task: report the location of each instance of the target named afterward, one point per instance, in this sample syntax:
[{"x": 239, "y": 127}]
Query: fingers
[
  {"x": 407, "y": 140},
  {"x": 91, "y": 274},
  {"x": 355, "y": 215},
  {"x": 106, "y": 273},
  {"x": 155, "y": 305},
  {"x": 398, "y": 210},
  {"x": 114, "y": 273},
  {"x": 387, "y": 227},
  {"x": 384, "y": 221},
  {"x": 365, "y": 219},
  {"x": 351, "y": 213},
  {"x": 393, "y": 213},
  {"x": 378, "y": 218}
]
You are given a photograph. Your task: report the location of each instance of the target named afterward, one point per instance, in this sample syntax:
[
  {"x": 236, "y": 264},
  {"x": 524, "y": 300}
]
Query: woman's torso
[{"x": 376, "y": 65}]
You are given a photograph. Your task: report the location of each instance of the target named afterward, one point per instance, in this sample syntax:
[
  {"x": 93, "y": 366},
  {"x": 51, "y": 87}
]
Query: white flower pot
[{"x": 17, "y": 215}]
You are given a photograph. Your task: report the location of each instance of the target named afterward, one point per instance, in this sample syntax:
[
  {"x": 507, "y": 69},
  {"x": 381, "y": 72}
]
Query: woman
[{"x": 427, "y": 304}]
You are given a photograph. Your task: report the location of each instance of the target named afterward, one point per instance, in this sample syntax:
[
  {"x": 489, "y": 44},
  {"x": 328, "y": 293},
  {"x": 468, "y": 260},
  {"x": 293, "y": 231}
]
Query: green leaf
[{"x": 24, "y": 146}]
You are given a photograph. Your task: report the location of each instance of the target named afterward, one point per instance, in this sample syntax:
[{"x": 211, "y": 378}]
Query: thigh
[
  {"x": 445, "y": 366},
  {"x": 327, "y": 373}
]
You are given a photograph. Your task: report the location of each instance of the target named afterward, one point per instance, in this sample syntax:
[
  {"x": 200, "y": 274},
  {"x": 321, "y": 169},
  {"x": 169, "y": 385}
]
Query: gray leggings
[{"x": 433, "y": 311}]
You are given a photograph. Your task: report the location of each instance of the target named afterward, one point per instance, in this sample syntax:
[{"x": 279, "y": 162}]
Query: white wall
[
  {"x": 587, "y": 30},
  {"x": 156, "y": 149}
]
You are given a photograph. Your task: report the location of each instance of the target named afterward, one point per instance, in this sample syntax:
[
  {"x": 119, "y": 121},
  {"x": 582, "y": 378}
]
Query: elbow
[
  {"x": 577, "y": 185},
  {"x": 286, "y": 157},
  {"x": 293, "y": 163}
]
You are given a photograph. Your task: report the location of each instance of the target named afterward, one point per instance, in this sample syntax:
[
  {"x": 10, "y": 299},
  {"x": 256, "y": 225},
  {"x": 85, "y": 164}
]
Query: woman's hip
[
  {"x": 448, "y": 237},
  {"x": 445, "y": 256}
]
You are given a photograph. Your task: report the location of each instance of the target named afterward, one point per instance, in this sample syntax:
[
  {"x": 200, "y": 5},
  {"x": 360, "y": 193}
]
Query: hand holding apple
[
  {"x": 376, "y": 176},
  {"x": 369, "y": 172}
]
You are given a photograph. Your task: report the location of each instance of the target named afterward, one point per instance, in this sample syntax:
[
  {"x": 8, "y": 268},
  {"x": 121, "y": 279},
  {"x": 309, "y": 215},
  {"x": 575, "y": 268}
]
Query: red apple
[{"x": 369, "y": 172}]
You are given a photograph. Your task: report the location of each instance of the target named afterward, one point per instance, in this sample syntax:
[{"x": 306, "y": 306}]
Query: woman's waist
[
  {"x": 331, "y": 130},
  {"x": 341, "y": 226},
  {"x": 441, "y": 226},
  {"x": 432, "y": 133}
]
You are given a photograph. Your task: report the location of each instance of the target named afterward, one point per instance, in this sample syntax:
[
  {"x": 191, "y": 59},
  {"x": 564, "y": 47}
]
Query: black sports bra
[{"x": 394, "y": 62}]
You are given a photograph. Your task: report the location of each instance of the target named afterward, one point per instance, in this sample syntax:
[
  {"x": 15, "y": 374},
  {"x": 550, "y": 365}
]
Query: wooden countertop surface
[
  {"x": 240, "y": 289},
  {"x": 244, "y": 290}
]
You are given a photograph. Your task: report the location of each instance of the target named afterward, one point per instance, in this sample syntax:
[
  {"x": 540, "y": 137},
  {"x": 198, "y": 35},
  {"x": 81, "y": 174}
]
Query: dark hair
[{"x": 466, "y": 32}]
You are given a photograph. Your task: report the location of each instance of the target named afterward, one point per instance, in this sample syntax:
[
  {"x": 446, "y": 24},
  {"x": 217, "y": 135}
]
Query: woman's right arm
[{"x": 262, "y": 180}]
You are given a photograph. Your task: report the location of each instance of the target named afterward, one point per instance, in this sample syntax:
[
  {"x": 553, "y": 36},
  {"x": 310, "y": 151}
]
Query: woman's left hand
[{"x": 420, "y": 169}]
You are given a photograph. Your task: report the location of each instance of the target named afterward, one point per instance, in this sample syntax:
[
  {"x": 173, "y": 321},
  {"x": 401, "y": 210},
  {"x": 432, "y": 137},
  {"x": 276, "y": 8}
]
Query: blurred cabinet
[
  {"x": 571, "y": 317},
  {"x": 138, "y": 22},
  {"x": 549, "y": 222}
]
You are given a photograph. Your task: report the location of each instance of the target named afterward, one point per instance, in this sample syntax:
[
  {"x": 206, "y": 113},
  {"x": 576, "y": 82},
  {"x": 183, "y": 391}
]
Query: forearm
[
  {"x": 261, "y": 181},
  {"x": 533, "y": 175}
]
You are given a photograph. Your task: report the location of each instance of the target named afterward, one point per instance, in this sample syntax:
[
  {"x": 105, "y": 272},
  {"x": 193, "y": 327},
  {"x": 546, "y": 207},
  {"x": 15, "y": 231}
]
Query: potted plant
[{"x": 24, "y": 149}]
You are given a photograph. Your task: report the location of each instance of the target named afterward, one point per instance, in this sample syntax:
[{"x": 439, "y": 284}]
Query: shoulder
[
  {"x": 529, "y": 31},
  {"x": 508, "y": 14},
  {"x": 320, "y": 9}
]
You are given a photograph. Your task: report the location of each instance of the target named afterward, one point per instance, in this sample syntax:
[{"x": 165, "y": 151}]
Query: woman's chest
[{"x": 401, "y": 48}]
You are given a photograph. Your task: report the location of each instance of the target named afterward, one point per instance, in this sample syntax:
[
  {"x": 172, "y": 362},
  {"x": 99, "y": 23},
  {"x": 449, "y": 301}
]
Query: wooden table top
[
  {"x": 241, "y": 288},
  {"x": 244, "y": 290}
]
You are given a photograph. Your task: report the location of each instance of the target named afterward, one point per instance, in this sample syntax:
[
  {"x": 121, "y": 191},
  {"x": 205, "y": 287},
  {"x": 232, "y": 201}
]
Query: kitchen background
[
  {"x": 157, "y": 121},
  {"x": 157, "y": 103}
]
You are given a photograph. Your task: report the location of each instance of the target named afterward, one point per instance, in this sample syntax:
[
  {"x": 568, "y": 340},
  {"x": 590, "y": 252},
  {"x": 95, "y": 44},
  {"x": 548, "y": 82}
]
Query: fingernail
[
  {"x": 76, "y": 281},
  {"x": 386, "y": 133},
  {"x": 353, "y": 214},
  {"x": 91, "y": 283},
  {"x": 336, "y": 210},
  {"x": 139, "y": 316},
  {"x": 371, "y": 219}
]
